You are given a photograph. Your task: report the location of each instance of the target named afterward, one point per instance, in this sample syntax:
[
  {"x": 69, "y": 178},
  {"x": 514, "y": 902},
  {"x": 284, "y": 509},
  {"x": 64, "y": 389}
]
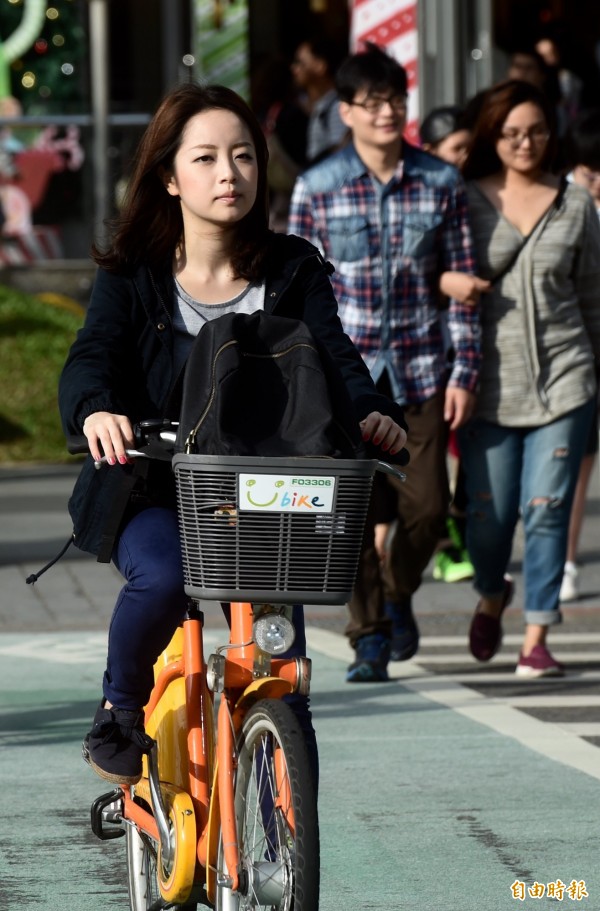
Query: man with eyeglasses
[{"x": 393, "y": 221}]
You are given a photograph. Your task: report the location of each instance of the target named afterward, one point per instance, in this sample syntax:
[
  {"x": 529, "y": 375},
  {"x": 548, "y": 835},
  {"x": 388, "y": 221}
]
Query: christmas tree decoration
[
  {"x": 19, "y": 40},
  {"x": 43, "y": 51}
]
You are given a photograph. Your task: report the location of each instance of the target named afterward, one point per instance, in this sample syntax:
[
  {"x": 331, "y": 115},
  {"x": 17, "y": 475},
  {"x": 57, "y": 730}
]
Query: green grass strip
[{"x": 35, "y": 337}]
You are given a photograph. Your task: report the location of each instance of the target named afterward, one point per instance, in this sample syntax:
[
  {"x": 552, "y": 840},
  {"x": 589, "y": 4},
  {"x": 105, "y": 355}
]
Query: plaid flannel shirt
[{"x": 389, "y": 245}]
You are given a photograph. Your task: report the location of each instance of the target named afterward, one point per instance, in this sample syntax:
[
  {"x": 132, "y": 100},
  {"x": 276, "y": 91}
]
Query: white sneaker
[{"x": 569, "y": 589}]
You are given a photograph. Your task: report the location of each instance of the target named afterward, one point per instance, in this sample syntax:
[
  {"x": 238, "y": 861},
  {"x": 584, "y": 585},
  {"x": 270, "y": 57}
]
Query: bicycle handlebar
[
  {"x": 155, "y": 439},
  {"x": 386, "y": 468}
]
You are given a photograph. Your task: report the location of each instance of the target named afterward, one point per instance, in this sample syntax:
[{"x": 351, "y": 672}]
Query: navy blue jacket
[{"x": 122, "y": 362}]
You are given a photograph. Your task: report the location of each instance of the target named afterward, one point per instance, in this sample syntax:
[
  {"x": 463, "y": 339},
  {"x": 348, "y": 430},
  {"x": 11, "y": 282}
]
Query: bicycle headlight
[{"x": 274, "y": 633}]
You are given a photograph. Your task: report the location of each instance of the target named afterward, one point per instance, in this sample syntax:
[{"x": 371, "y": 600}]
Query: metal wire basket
[{"x": 280, "y": 530}]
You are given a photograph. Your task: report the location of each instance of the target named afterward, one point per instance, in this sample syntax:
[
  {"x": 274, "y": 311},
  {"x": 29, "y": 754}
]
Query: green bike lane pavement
[{"x": 431, "y": 797}]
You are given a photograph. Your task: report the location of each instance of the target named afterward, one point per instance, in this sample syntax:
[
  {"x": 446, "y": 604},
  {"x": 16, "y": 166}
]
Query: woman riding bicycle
[{"x": 191, "y": 243}]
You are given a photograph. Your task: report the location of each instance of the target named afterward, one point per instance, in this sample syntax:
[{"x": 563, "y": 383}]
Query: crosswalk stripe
[
  {"x": 510, "y": 639},
  {"x": 555, "y": 740},
  {"x": 544, "y": 737},
  {"x": 552, "y": 701},
  {"x": 504, "y": 677},
  {"x": 502, "y": 658},
  {"x": 581, "y": 728}
]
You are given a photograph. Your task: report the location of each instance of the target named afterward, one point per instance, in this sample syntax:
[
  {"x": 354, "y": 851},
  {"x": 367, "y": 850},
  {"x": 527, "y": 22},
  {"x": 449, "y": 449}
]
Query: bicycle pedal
[{"x": 104, "y": 813}]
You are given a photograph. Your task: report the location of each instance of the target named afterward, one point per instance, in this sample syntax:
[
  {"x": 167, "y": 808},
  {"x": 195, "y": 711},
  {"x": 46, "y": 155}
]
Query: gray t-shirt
[{"x": 190, "y": 315}]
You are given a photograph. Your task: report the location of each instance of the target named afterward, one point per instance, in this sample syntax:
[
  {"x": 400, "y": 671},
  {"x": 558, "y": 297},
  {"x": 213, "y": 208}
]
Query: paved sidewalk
[{"x": 77, "y": 593}]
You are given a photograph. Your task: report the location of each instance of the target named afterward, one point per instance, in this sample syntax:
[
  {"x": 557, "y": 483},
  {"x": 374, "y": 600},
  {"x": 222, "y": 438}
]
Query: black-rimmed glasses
[
  {"x": 374, "y": 103},
  {"x": 516, "y": 138}
]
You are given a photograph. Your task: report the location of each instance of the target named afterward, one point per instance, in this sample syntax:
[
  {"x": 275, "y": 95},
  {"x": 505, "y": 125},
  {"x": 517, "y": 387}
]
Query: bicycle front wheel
[{"x": 276, "y": 816}]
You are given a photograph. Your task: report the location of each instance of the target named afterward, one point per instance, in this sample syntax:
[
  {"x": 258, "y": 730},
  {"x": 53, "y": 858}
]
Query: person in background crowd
[
  {"x": 393, "y": 221},
  {"x": 444, "y": 133},
  {"x": 313, "y": 69},
  {"x": 285, "y": 124},
  {"x": 550, "y": 46},
  {"x": 528, "y": 65},
  {"x": 582, "y": 149},
  {"x": 538, "y": 241}
]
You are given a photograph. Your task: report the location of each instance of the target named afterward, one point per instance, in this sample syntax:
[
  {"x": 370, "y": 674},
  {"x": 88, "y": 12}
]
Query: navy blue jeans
[{"x": 150, "y": 607}]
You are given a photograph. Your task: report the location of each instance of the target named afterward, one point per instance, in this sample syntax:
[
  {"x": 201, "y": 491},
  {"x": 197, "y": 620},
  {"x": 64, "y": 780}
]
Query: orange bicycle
[{"x": 225, "y": 814}]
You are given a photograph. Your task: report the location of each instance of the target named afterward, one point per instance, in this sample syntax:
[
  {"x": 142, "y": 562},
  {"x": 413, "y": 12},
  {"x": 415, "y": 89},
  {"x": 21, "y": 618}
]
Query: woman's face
[
  {"x": 215, "y": 171},
  {"x": 453, "y": 148},
  {"x": 523, "y": 139}
]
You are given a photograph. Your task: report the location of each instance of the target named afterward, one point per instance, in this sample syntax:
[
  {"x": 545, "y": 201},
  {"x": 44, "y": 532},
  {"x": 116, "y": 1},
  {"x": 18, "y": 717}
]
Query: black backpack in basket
[{"x": 260, "y": 385}]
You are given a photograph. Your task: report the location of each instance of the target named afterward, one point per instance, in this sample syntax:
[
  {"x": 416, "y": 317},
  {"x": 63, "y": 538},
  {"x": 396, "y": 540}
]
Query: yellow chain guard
[{"x": 177, "y": 885}]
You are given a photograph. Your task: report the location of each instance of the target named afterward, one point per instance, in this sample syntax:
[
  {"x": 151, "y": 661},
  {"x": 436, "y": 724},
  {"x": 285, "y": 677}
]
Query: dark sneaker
[
  {"x": 372, "y": 656},
  {"x": 485, "y": 633},
  {"x": 539, "y": 663},
  {"x": 115, "y": 745},
  {"x": 405, "y": 632}
]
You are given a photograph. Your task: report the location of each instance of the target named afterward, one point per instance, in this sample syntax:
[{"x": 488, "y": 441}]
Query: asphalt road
[{"x": 453, "y": 787}]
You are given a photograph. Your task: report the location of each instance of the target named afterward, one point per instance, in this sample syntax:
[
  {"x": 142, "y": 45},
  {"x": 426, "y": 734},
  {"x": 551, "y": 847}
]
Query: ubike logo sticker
[{"x": 286, "y": 493}]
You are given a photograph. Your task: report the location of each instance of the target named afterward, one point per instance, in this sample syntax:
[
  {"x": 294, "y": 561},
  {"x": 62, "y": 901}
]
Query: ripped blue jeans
[{"x": 528, "y": 473}]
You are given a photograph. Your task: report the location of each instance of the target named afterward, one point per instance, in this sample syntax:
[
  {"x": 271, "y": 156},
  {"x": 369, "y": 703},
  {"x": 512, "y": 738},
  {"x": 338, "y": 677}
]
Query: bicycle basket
[{"x": 283, "y": 530}]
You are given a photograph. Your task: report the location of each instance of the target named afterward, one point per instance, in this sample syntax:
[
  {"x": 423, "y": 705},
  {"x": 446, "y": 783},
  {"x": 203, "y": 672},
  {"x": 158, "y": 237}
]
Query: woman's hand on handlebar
[
  {"x": 109, "y": 434},
  {"x": 383, "y": 431}
]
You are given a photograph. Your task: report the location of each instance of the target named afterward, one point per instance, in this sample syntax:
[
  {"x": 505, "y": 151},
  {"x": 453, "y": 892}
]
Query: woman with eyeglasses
[{"x": 538, "y": 242}]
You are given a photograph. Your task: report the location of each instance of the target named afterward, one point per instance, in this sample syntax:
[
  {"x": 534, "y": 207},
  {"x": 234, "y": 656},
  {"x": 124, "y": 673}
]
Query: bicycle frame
[{"x": 190, "y": 789}]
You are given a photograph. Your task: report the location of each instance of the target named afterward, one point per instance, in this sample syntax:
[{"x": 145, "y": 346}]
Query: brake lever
[{"x": 386, "y": 468}]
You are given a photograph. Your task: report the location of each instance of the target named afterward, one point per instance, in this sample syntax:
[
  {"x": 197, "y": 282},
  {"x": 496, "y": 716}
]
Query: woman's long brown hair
[{"x": 150, "y": 226}]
